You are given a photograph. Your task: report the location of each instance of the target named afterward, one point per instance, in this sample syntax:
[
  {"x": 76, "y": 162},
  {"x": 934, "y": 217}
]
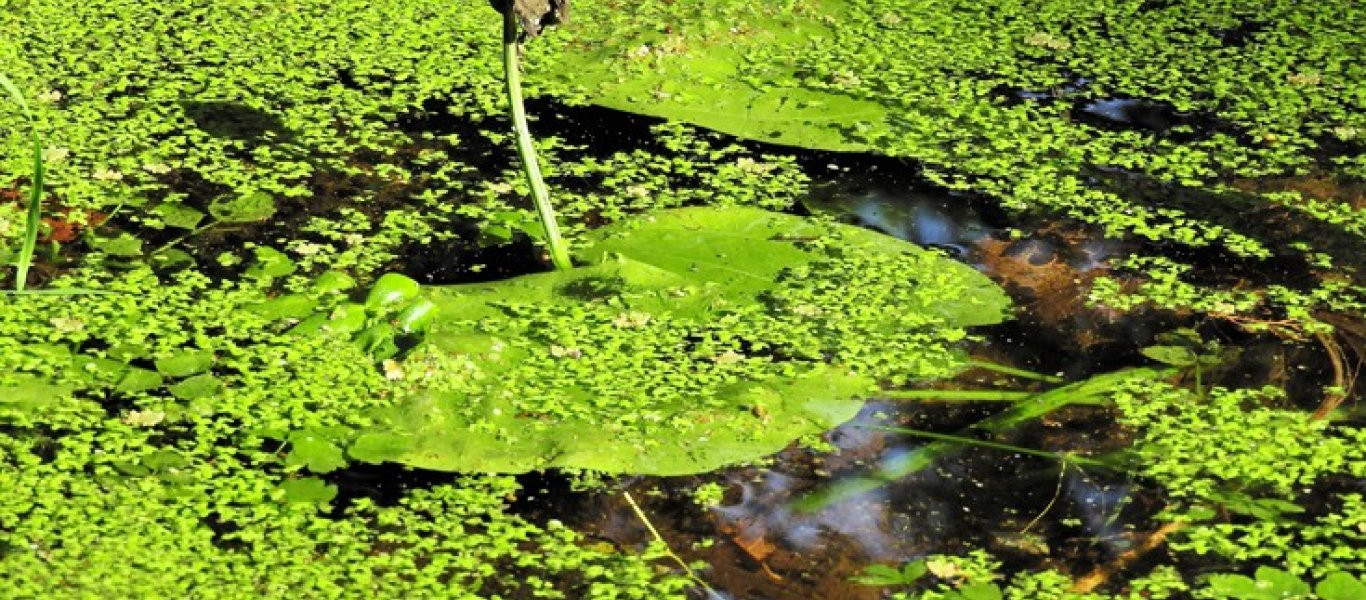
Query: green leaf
[
  {"x": 178, "y": 215},
  {"x": 1177, "y": 356},
  {"x": 270, "y": 263},
  {"x": 979, "y": 591},
  {"x": 390, "y": 290},
  {"x": 1270, "y": 584},
  {"x": 1340, "y": 586},
  {"x": 185, "y": 364},
  {"x": 878, "y": 575},
  {"x": 288, "y": 306},
  {"x": 378, "y": 447},
  {"x": 1285, "y": 584},
  {"x": 316, "y": 452},
  {"x": 171, "y": 258},
  {"x": 247, "y": 208},
  {"x": 708, "y": 84},
  {"x": 333, "y": 281},
  {"x": 199, "y": 386},
  {"x": 600, "y": 367},
  {"x": 139, "y": 380},
  {"x": 887, "y": 576},
  {"x": 32, "y": 394},
  {"x": 124, "y": 245},
  {"x": 416, "y": 316},
  {"x": 309, "y": 490}
]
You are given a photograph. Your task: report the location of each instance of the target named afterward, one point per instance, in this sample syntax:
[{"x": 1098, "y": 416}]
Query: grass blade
[{"x": 35, "y": 198}]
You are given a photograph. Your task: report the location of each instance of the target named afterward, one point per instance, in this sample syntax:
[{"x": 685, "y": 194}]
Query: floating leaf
[
  {"x": 632, "y": 363},
  {"x": 390, "y": 290},
  {"x": 185, "y": 364},
  {"x": 288, "y": 306},
  {"x": 178, "y": 215},
  {"x": 199, "y": 386},
  {"x": 247, "y": 208},
  {"x": 124, "y": 245},
  {"x": 32, "y": 394},
  {"x": 308, "y": 489},
  {"x": 705, "y": 77},
  {"x": 1340, "y": 586},
  {"x": 270, "y": 263},
  {"x": 1270, "y": 584},
  {"x": 316, "y": 452},
  {"x": 333, "y": 281},
  {"x": 139, "y": 380}
]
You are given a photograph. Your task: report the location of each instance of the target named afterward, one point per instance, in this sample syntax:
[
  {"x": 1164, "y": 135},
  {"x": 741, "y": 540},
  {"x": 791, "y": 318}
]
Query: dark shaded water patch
[
  {"x": 1153, "y": 116},
  {"x": 1241, "y": 34},
  {"x": 236, "y": 121},
  {"x": 1014, "y": 96},
  {"x": 384, "y": 484}
]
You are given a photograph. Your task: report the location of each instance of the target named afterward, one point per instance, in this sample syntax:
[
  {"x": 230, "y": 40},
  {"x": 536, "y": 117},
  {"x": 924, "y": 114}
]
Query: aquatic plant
[
  {"x": 278, "y": 146},
  {"x": 523, "y": 13},
  {"x": 33, "y": 218},
  {"x": 1243, "y": 507},
  {"x": 693, "y": 339},
  {"x": 1092, "y": 391},
  {"x": 175, "y": 414}
]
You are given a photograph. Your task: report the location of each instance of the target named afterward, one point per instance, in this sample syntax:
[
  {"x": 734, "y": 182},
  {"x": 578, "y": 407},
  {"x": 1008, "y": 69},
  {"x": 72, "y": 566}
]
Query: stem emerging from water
[
  {"x": 35, "y": 198},
  {"x": 539, "y": 194}
]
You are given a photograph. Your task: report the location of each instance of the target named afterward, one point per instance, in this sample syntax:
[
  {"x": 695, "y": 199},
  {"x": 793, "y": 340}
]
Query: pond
[{"x": 854, "y": 299}]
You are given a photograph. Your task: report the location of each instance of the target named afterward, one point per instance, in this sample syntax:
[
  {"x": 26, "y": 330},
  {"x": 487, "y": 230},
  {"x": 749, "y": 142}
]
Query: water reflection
[{"x": 927, "y": 218}]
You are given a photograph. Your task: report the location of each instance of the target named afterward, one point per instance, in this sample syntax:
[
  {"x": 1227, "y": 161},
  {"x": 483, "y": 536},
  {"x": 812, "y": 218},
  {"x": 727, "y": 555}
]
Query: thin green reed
[{"x": 35, "y": 198}]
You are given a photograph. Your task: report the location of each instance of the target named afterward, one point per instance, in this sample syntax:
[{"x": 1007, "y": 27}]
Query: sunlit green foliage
[
  {"x": 157, "y": 442},
  {"x": 180, "y": 415},
  {"x": 691, "y": 339}
]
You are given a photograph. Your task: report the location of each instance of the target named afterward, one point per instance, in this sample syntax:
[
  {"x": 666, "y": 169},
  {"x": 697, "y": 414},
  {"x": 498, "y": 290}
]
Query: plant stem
[
  {"x": 1016, "y": 371},
  {"x": 640, "y": 514},
  {"x": 35, "y": 199},
  {"x": 961, "y": 439},
  {"x": 955, "y": 395},
  {"x": 559, "y": 256}
]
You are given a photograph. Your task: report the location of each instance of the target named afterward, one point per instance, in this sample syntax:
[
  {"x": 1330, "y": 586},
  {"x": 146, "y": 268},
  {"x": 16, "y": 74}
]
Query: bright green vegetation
[
  {"x": 694, "y": 339},
  {"x": 228, "y": 176},
  {"x": 170, "y": 462},
  {"x": 35, "y": 199},
  {"x": 986, "y": 96}
]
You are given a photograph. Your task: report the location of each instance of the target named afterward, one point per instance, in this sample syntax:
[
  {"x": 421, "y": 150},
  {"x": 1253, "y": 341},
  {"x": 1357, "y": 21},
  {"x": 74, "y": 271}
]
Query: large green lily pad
[
  {"x": 691, "y": 339},
  {"x": 733, "y": 67}
]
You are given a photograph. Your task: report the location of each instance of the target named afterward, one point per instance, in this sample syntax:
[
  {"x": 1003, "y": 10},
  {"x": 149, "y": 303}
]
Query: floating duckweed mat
[
  {"x": 267, "y": 142},
  {"x": 1245, "y": 120},
  {"x": 1052, "y": 107},
  {"x": 138, "y": 460}
]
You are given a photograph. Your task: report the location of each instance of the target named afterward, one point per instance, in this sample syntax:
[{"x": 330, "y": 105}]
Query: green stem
[
  {"x": 1017, "y": 372},
  {"x": 35, "y": 199},
  {"x": 955, "y": 395},
  {"x": 959, "y": 439},
  {"x": 539, "y": 194},
  {"x": 640, "y": 514}
]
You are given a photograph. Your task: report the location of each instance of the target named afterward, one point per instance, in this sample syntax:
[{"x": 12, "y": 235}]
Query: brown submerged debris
[{"x": 1099, "y": 575}]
